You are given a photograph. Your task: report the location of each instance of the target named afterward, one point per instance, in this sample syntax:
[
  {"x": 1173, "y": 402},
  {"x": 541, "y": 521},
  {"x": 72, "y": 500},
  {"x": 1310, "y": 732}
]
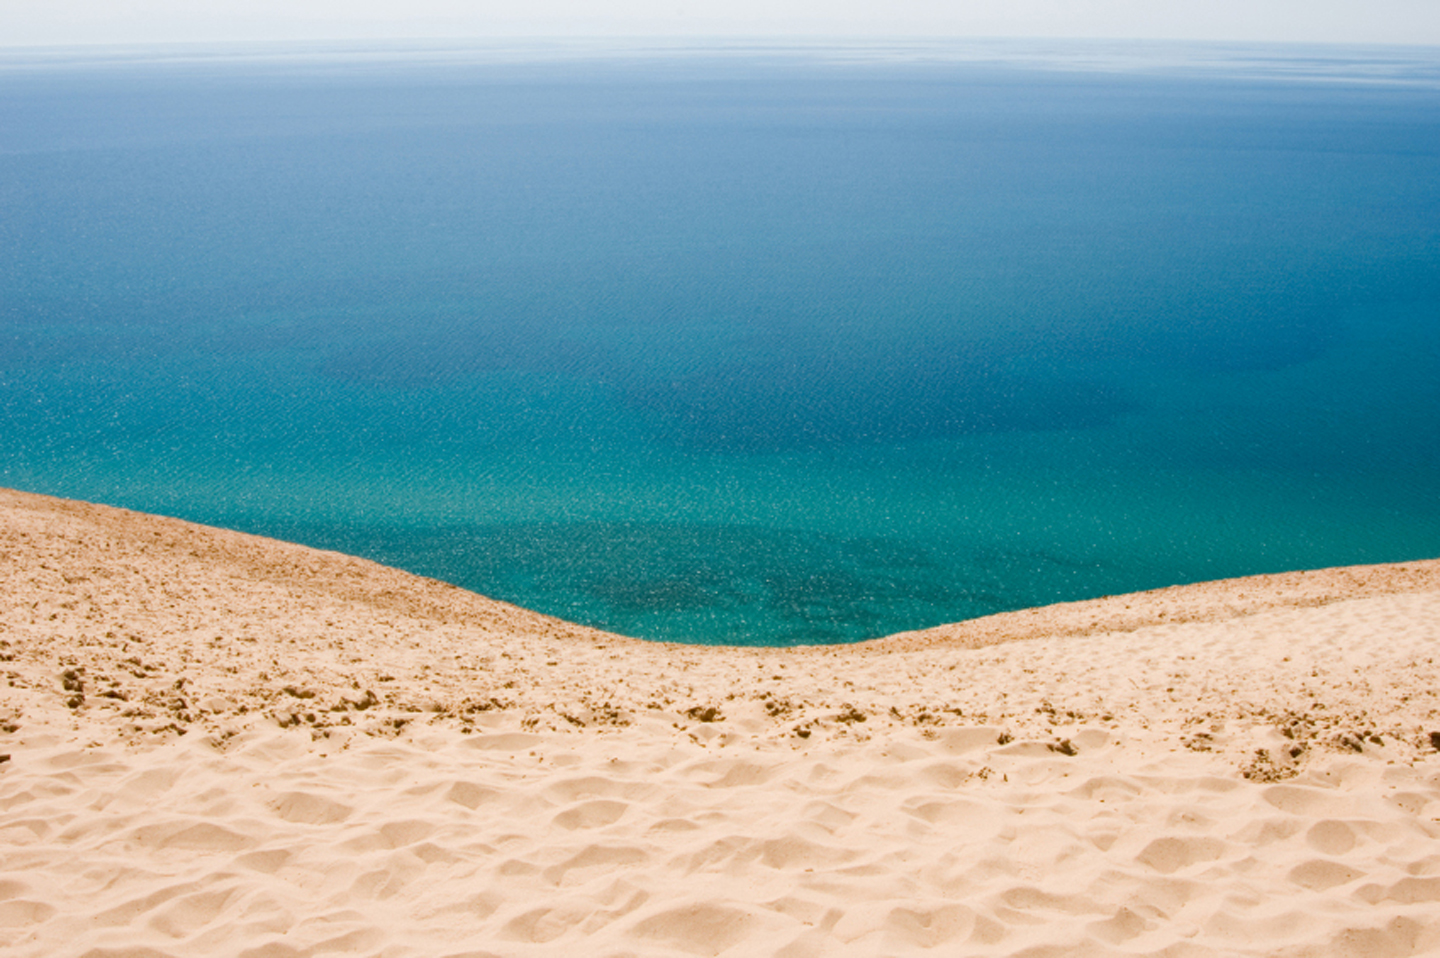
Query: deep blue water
[{"x": 735, "y": 347}]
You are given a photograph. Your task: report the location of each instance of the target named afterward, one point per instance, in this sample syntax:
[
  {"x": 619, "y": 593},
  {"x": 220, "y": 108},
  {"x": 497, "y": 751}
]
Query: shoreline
[
  {"x": 1214, "y": 600},
  {"x": 228, "y": 745},
  {"x": 1205, "y": 601}
]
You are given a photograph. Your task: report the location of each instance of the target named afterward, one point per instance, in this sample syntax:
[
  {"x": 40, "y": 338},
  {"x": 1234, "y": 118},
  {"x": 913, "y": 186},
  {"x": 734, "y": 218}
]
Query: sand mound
[{"x": 222, "y": 745}]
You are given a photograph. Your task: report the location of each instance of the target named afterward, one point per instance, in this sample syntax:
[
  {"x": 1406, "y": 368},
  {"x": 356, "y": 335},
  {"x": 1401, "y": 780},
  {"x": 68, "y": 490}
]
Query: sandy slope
[{"x": 223, "y": 745}]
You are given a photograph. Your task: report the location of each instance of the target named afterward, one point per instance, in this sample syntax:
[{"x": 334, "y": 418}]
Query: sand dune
[{"x": 222, "y": 745}]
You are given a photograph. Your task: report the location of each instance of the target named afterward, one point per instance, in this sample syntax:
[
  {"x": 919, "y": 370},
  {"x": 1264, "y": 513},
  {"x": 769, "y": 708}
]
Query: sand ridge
[{"x": 225, "y": 745}]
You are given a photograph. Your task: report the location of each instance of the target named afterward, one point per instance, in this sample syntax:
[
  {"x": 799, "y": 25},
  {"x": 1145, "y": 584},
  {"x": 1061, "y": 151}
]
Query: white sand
[{"x": 272, "y": 751}]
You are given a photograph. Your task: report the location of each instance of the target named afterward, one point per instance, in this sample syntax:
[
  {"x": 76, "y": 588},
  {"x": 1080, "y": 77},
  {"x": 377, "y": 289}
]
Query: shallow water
[{"x": 738, "y": 346}]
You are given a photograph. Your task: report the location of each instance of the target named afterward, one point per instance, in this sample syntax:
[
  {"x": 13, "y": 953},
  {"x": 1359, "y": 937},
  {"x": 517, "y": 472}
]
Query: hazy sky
[{"x": 126, "y": 21}]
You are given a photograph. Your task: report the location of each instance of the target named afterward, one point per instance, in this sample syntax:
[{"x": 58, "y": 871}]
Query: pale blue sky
[{"x": 26, "y": 22}]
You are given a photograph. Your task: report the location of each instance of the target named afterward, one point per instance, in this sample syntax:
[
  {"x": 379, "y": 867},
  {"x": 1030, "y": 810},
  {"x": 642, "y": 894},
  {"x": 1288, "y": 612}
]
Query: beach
[{"x": 224, "y": 745}]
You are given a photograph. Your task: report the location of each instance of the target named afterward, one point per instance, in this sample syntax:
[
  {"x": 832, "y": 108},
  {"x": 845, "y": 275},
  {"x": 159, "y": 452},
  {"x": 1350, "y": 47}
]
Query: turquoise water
[{"x": 738, "y": 346}]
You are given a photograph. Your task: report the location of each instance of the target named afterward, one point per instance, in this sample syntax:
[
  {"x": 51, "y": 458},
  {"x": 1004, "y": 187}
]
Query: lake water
[{"x": 737, "y": 345}]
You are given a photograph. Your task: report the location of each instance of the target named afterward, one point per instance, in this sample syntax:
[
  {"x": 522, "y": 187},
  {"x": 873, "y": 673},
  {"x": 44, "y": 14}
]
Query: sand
[{"x": 224, "y": 745}]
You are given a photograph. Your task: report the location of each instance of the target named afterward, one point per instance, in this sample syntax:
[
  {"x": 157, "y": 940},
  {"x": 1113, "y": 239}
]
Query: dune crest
[{"x": 224, "y": 745}]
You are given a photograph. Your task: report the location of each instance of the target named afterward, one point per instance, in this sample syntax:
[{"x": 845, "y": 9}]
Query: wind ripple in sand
[{"x": 626, "y": 846}]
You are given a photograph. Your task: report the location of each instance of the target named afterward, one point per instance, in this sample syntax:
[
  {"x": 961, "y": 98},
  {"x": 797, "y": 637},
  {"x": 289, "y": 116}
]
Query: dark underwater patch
[{"x": 712, "y": 583}]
